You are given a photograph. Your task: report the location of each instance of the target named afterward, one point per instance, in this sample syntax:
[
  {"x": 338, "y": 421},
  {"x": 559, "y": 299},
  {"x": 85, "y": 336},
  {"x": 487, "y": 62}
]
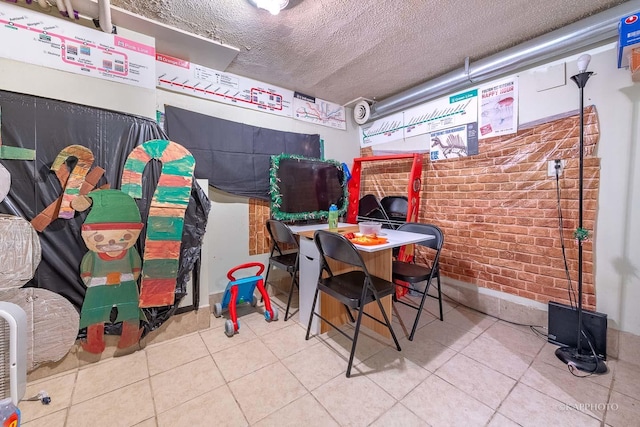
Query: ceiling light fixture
[{"x": 273, "y": 6}]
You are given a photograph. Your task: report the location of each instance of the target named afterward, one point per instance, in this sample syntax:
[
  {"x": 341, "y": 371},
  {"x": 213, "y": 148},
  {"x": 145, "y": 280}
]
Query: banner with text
[
  {"x": 40, "y": 39},
  {"x": 191, "y": 79}
]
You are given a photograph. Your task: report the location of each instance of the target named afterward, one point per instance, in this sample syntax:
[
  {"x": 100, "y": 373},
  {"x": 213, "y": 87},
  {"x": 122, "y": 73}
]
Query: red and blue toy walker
[{"x": 241, "y": 291}]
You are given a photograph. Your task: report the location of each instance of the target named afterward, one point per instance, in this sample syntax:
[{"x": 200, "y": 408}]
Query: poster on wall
[
  {"x": 381, "y": 131},
  {"x": 459, "y": 141},
  {"x": 499, "y": 108},
  {"x": 315, "y": 110},
  {"x": 40, "y": 39},
  {"x": 177, "y": 75},
  {"x": 447, "y": 127},
  {"x": 443, "y": 113}
]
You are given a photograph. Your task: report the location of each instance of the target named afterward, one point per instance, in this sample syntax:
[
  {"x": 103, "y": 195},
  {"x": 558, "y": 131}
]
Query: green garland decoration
[
  {"x": 276, "y": 196},
  {"x": 581, "y": 234}
]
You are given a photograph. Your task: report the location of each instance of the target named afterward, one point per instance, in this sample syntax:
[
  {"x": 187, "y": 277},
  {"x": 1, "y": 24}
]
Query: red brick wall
[
  {"x": 259, "y": 212},
  {"x": 499, "y": 213}
]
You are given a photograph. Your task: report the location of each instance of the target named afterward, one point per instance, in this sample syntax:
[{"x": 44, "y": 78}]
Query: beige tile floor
[{"x": 470, "y": 370}]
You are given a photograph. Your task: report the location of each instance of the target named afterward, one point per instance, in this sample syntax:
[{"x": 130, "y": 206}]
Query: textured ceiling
[{"x": 339, "y": 50}]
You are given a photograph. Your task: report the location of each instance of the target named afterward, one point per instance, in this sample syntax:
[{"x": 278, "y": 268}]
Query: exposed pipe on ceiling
[
  {"x": 581, "y": 34},
  {"x": 62, "y": 8},
  {"x": 105, "y": 16},
  {"x": 86, "y": 8},
  {"x": 71, "y": 12},
  {"x": 90, "y": 9}
]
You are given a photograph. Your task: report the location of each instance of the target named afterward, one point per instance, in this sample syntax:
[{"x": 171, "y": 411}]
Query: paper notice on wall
[
  {"x": 459, "y": 141},
  {"x": 51, "y": 42},
  {"x": 499, "y": 108},
  {"x": 315, "y": 110},
  {"x": 185, "y": 77}
]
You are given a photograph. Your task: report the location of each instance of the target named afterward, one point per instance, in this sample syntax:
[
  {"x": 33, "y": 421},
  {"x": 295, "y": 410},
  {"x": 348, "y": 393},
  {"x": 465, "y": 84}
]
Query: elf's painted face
[{"x": 110, "y": 237}]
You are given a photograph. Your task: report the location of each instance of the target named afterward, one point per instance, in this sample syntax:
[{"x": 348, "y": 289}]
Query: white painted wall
[{"x": 617, "y": 99}]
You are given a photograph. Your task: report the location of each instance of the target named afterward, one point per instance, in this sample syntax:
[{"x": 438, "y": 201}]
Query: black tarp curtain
[
  {"x": 48, "y": 126},
  {"x": 235, "y": 157}
]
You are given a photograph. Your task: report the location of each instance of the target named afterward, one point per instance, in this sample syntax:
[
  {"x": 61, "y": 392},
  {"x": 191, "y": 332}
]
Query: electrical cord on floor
[
  {"x": 534, "y": 328},
  {"x": 570, "y": 291},
  {"x": 42, "y": 396},
  {"x": 572, "y": 367}
]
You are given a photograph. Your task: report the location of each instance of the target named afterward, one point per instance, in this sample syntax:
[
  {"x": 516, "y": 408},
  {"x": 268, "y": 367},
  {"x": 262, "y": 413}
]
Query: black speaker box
[{"x": 563, "y": 328}]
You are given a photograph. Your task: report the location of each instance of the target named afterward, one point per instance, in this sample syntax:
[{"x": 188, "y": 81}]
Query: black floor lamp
[{"x": 586, "y": 361}]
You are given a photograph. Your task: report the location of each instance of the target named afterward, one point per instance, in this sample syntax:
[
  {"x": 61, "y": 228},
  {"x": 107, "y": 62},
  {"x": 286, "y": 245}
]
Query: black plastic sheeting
[
  {"x": 48, "y": 126},
  {"x": 235, "y": 157}
]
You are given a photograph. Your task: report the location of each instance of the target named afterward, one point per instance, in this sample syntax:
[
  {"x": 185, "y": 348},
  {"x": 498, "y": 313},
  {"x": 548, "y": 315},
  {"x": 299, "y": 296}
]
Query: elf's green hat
[{"x": 112, "y": 206}]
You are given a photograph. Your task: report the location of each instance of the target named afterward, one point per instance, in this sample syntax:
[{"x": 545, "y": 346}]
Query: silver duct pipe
[
  {"x": 105, "y": 16},
  {"x": 579, "y": 35},
  {"x": 90, "y": 9}
]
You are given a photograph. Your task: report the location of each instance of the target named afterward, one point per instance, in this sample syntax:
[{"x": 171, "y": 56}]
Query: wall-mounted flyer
[
  {"x": 499, "y": 108},
  {"x": 40, "y": 39}
]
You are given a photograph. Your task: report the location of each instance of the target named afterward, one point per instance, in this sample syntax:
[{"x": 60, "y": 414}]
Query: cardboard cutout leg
[
  {"x": 131, "y": 333},
  {"x": 95, "y": 339}
]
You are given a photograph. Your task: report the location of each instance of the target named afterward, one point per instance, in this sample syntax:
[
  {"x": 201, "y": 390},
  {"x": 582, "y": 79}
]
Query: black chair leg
[
  {"x": 354, "y": 340},
  {"x": 351, "y": 318},
  {"x": 388, "y": 323},
  {"x": 293, "y": 283},
  {"x": 415, "y": 323},
  {"x": 440, "y": 298},
  {"x": 313, "y": 311}
]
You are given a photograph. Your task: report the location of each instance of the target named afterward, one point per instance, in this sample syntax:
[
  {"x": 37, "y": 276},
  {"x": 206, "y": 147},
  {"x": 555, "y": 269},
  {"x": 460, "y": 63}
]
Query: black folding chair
[
  {"x": 281, "y": 236},
  {"x": 412, "y": 273},
  {"x": 396, "y": 208},
  {"x": 370, "y": 209},
  {"x": 354, "y": 289}
]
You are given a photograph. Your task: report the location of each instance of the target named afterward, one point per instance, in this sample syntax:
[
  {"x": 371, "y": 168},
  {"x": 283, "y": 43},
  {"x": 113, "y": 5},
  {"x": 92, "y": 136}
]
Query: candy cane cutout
[
  {"x": 80, "y": 181},
  {"x": 166, "y": 215},
  {"x": 75, "y": 179}
]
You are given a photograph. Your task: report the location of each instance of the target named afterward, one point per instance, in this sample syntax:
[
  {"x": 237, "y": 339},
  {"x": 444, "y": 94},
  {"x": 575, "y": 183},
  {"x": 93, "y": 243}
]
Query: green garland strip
[
  {"x": 276, "y": 196},
  {"x": 581, "y": 234}
]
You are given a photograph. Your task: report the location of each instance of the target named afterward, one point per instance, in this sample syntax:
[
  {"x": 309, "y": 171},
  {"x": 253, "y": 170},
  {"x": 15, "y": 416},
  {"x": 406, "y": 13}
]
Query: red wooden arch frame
[{"x": 413, "y": 187}]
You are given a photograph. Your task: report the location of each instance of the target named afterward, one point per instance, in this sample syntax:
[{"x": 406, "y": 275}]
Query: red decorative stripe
[
  {"x": 163, "y": 249},
  {"x": 157, "y": 292},
  {"x": 131, "y": 176},
  {"x": 139, "y": 153},
  {"x": 173, "y": 152},
  {"x": 174, "y": 181}
]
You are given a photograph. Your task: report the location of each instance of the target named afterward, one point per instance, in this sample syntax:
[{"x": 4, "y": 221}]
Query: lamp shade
[{"x": 583, "y": 62}]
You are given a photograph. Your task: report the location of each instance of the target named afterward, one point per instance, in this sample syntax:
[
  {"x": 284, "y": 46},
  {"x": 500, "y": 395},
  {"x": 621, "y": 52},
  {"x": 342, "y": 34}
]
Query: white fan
[
  {"x": 361, "y": 112},
  {"x": 13, "y": 351}
]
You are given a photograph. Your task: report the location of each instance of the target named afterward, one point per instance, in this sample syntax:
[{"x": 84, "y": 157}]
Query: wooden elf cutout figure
[{"x": 111, "y": 267}]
